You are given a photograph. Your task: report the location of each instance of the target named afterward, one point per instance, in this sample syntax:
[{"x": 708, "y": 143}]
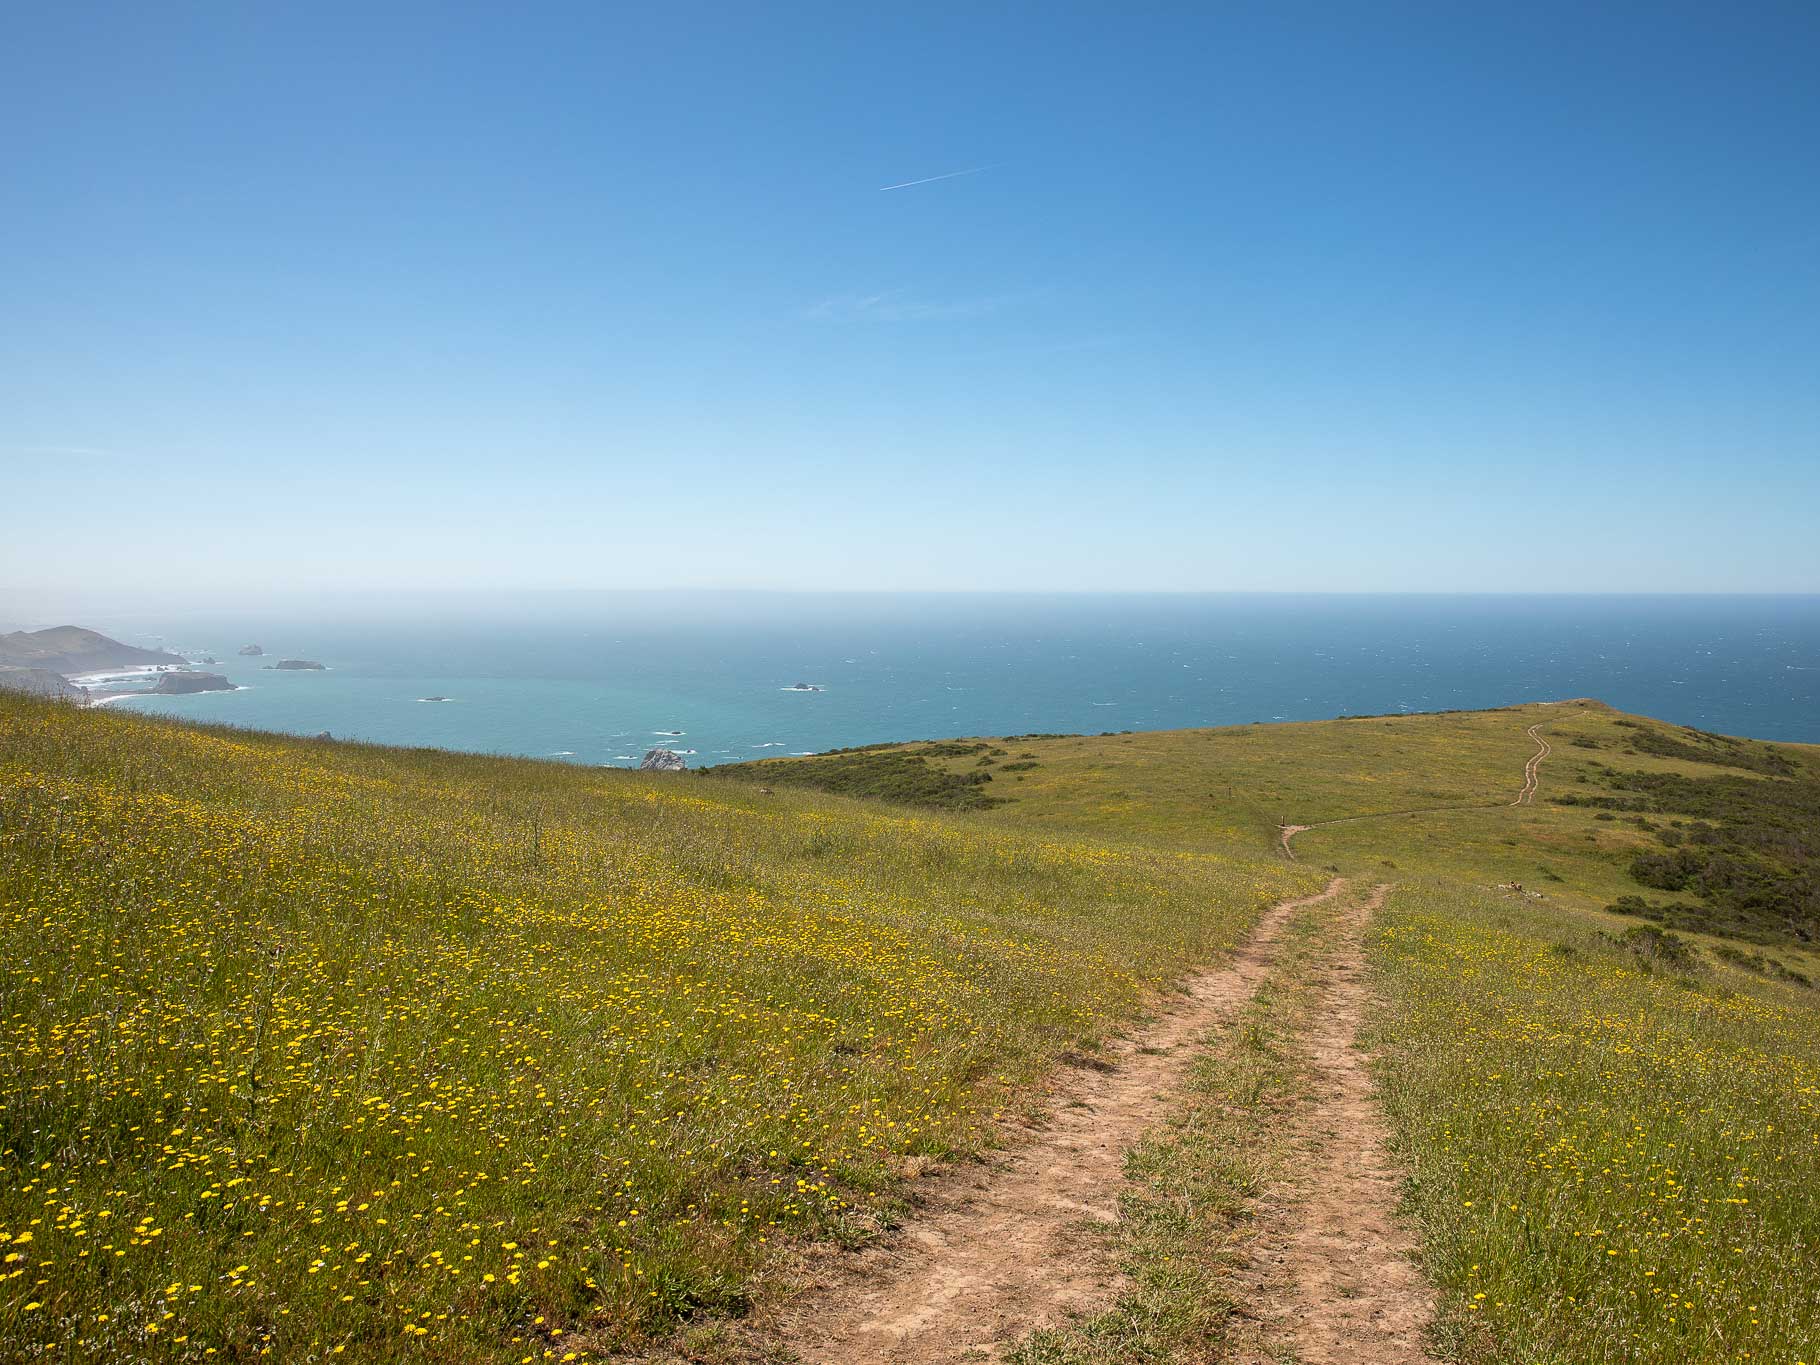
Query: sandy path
[
  {"x": 997, "y": 1251},
  {"x": 1333, "y": 1276},
  {"x": 1532, "y": 770},
  {"x": 1532, "y": 776}
]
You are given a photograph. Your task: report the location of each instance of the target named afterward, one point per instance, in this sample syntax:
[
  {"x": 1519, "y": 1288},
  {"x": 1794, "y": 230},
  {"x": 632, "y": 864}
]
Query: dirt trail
[
  {"x": 998, "y": 1251},
  {"x": 1532, "y": 776},
  {"x": 1532, "y": 770},
  {"x": 1333, "y": 1277}
]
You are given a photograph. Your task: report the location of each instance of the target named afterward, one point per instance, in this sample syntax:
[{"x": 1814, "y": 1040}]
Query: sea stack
[
  {"x": 662, "y": 761},
  {"x": 176, "y": 684},
  {"x": 251, "y": 651}
]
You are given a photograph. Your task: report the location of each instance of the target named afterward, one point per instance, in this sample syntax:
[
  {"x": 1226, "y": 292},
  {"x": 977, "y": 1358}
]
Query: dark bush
[{"x": 1659, "y": 945}]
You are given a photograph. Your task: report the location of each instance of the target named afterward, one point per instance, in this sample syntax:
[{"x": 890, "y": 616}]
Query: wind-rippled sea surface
[{"x": 601, "y": 678}]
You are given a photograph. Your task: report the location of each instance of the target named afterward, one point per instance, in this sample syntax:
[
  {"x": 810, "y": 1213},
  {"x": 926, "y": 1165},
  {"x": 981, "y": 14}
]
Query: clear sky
[{"x": 1274, "y": 296}]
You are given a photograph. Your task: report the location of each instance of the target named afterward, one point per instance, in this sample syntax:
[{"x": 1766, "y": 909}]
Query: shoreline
[
  {"x": 97, "y": 683},
  {"x": 94, "y": 683}
]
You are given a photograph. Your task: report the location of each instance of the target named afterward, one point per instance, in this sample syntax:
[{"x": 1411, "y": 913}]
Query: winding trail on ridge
[
  {"x": 1532, "y": 770},
  {"x": 1532, "y": 776},
  {"x": 997, "y": 1250}
]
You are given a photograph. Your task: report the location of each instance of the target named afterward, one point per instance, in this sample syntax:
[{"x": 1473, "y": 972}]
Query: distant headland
[
  {"x": 85, "y": 667},
  {"x": 71, "y": 649}
]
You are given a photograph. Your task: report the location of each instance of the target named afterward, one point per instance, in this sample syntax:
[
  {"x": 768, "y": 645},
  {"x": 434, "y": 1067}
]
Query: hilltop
[
  {"x": 1712, "y": 833},
  {"x": 318, "y": 1047}
]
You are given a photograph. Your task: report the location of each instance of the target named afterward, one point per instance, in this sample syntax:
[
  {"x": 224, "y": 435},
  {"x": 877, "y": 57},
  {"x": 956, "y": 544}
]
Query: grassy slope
[
  {"x": 1610, "y": 1163},
  {"x": 1229, "y": 790},
  {"x": 616, "y": 1020},
  {"x": 313, "y": 1046},
  {"x": 1611, "y": 1160},
  {"x": 1180, "y": 1238}
]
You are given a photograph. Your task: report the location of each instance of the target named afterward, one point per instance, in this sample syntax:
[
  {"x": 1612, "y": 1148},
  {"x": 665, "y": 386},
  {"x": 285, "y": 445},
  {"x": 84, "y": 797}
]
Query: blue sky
[{"x": 1435, "y": 297}]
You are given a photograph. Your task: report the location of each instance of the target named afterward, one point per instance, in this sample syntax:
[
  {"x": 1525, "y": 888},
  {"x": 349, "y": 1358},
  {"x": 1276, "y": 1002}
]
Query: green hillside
[
  {"x": 315, "y": 1046},
  {"x": 319, "y": 1048},
  {"x": 1727, "y": 831},
  {"x": 1598, "y": 1035}
]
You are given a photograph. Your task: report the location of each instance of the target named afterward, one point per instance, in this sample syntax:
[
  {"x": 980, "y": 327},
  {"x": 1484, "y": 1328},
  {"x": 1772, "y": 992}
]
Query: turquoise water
[{"x": 599, "y": 679}]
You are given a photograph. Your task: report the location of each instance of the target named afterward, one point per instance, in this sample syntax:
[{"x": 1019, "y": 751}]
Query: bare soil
[
  {"x": 998, "y": 1250},
  {"x": 1333, "y": 1276}
]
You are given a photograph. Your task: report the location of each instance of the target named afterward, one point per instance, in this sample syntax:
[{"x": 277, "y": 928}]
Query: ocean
[{"x": 600, "y": 678}]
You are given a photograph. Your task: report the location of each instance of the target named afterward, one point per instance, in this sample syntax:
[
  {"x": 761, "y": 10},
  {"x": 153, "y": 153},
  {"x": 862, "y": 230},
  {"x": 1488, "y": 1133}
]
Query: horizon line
[{"x": 276, "y": 590}]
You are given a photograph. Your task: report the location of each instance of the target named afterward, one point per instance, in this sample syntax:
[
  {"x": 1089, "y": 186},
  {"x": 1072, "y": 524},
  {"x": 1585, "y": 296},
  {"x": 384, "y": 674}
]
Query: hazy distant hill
[{"x": 71, "y": 649}]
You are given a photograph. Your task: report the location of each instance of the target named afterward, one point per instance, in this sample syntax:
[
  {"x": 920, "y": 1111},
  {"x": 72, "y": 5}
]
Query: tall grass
[
  {"x": 1610, "y": 1162},
  {"x": 317, "y": 1049}
]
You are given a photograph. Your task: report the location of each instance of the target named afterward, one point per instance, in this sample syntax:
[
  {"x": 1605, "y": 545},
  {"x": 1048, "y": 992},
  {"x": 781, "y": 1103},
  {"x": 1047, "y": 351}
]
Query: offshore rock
[{"x": 179, "y": 684}]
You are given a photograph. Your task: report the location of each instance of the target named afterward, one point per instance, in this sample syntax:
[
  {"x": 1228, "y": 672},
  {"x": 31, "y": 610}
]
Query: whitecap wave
[{"x": 127, "y": 673}]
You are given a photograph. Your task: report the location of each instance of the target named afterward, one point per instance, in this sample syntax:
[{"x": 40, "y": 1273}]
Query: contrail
[{"x": 932, "y": 179}]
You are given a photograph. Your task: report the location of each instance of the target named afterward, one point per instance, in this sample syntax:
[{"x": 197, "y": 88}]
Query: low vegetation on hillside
[
  {"x": 315, "y": 1048},
  {"x": 1631, "y": 806},
  {"x": 1747, "y": 847},
  {"x": 1610, "y": 1124},
  {"x": 888, "y": 773},
  {"x": 1613, "y": 1152}
]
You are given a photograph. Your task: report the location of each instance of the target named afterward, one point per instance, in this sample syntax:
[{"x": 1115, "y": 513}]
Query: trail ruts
[
  {"x": 996, "y": 1251},
  {"x": 1532, "y": 770},
  {"x": 1532, "y": 775},
  {"x": 1332, "y": 1277}
]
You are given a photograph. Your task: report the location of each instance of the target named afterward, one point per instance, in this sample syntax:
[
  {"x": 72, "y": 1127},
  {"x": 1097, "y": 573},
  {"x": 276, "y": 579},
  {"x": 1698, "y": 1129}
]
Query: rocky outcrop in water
[
  {"x": 251, "y": 651},
  {"x": 662, "y": 761},
  {"x": 296, "y": 666},
  {"x": 178, "y": 684}
]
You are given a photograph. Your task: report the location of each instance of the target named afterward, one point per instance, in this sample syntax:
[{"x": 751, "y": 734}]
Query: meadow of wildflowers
[
  {"x": 315, "y": 1049},
  {"x": 1610, "y": 1162},
  {"x": 1613, "y": 1158}
]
